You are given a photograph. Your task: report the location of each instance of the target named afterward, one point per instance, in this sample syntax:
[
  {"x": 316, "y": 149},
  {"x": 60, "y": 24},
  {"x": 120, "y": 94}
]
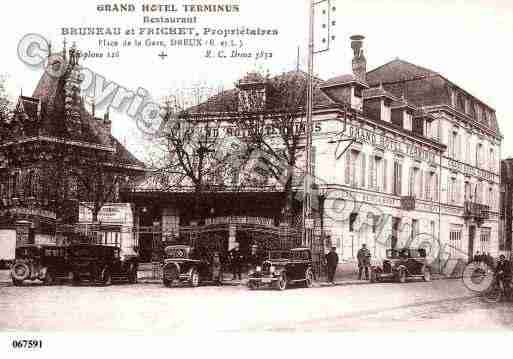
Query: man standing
[
  {"x": 363, "y": 257},
  {"x": 236, "y": 260},
  {"x": 331, "y": 264},
  {"x": 253, "y": 258},
  {"x": 503, "y": 272}
]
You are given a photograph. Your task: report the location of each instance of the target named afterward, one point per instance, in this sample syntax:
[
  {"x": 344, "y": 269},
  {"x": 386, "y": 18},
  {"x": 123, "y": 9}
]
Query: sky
[{"x": 469, "y": 42}]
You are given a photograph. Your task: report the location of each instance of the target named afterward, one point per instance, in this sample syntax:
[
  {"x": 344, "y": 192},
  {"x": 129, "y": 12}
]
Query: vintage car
[
  {"x": 401, "y": 264},
  {"x": 283, "y": 267},
  {"x": 101, "y": 264},
  {"x": 46, "y": 263},
  {"x": 185, "y": 264}
]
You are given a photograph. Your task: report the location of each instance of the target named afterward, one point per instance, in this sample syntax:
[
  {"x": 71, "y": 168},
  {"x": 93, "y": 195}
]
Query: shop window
[{"x": 352, "y": 220}]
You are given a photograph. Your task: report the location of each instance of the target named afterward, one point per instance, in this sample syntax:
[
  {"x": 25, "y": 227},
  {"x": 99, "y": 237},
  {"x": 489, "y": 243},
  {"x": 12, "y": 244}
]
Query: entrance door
[
  {"x": 471, "y": 236},
  {"x": 396, "y": 222}
]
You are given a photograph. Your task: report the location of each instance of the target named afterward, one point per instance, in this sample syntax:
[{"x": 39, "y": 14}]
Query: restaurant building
[{"x": 422, "y": 165}]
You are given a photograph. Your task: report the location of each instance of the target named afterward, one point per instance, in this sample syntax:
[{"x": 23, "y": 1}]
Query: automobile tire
[
  {"x": 252, "y": 285},
  {"x": 132, "y": 276},
  {"x": 401, "y": 276},
  {"x": 20, "y": 271},
  {"x": 309, "y": 278},
  {"x": 493, "y": 295},
  {"x": 167, "y": 283},
  {"x": 281, "y": 283},
  {"x": 373, "y": 277},
  {"x": 194, "y": 278},
  {"x": 426, "y": 274},
  {"x": 106, "y": 277},
  {"x": 74, "y": 278},
  {"x": 17, "y": 282},
  {"x": 49, "y": 278}
]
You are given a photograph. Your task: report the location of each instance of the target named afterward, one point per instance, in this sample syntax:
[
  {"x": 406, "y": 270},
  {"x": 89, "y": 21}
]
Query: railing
[
  {"x": 476, "y": 210},
  {"x": 408, "y": 203}
]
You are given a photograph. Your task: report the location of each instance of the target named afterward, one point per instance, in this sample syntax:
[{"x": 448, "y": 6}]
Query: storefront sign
[
  {"x": 110, "y": 213},
  {"x": 240, "y": 220},
  {"x": 390, "y": 144},
  {"x": 470, "y": 170},
  {"x": 33, "y": 212}
]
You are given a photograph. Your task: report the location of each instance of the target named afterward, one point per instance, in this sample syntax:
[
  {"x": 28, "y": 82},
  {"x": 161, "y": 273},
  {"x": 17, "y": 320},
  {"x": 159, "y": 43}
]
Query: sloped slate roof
[
  {"x": 227, "y": 101},
  {"x": 421, "y": 86},
  {"x": 50, "y": 91}
]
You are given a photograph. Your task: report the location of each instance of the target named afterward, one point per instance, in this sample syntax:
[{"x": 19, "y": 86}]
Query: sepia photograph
[{"x": 276, "y": 171}]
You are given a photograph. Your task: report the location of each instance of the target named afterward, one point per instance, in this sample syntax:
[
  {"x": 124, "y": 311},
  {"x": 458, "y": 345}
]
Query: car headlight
[
  {"x": 272, "y": 269},
  {"x": 251, "y": 271},
  {"x": 258, "y": 268}
]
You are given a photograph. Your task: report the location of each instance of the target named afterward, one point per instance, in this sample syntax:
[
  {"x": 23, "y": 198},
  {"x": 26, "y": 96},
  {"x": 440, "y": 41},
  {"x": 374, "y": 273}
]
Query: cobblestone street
[{"x": 438, "y": 305}]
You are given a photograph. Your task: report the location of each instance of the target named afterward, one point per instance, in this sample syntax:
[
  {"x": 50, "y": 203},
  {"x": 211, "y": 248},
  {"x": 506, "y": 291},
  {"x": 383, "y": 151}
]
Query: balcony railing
[
  {"x": 408, "y": 203},
  {"x": 476, "y": 210}
]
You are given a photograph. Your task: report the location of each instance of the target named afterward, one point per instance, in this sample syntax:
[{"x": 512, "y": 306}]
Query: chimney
[
  {"x": 107, "y": 124},
  {"x": 359, "y": 62}
]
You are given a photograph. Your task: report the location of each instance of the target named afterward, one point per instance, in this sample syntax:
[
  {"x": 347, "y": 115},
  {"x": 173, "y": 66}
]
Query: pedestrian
[
  {"x": 217, "y": 272},
  {"x": 253, "y": 258},
  {"x": 477, "y": 257},
  {"x": 503, "y": 272},
  {"x": 331, "y": 264},
  {"x": 236, "y": 260},
  {"x": 363, "y": 257}
]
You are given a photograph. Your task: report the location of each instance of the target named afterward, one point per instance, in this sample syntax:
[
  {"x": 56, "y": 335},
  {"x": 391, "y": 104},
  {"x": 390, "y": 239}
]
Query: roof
[
  {"x": 378, "y": 92},
  {"x": 424, "y": 87},
  {"x": 342, "y": 80},
  {"x": 45, "y": 112},
  {"x": 227, "y": 101}
]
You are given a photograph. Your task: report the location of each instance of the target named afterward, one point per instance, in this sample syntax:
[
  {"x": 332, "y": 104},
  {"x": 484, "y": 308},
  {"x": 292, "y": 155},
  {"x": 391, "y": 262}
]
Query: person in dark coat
[
  {"x": 363, "y": 257},
  {"x": 331, "y": 264},
  {"x": 236, "y": 260},
  {"x": 503, "y": 272},
  {"x": 217, "y": 272},
  {"x": 253, "y": 258}
]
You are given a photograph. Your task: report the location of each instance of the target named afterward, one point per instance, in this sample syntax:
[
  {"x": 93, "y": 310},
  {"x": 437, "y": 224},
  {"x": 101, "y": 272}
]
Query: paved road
[{"x": 439, "y": 305}]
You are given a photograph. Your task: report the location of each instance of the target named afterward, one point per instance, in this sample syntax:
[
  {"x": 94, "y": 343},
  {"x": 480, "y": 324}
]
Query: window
[
  {"x": 479, "y": 154},
  {"x": 484, "y": 240},
  {"x": 436, "y": 190},
  {"x": 376, "y": 173},
  {"x": 432, "y": 229},
  {"x": 491, "y": 161},
  {"x": 468, "y": 150},
  {"x": 452, "y": 190},
  {"x": 353, "y": 168},
  {"x": 479, "y": 192},
  {"x": 454, "y": 144},
  {"x": 352, "y": 220},
  {"x": 455, "y": 240},
  {"x": 414, "y": 229},
  {"x": 398, "y": 169},
  {"x": 490, "y": 198},
  {"x": 468, "y": 193}
]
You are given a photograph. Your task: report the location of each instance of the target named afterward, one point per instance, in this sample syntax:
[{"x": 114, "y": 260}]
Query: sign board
[{"x": 110, "y": 213}]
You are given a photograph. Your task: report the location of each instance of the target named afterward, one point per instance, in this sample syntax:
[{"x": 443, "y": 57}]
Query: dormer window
[{"x": 252, "y": 93}]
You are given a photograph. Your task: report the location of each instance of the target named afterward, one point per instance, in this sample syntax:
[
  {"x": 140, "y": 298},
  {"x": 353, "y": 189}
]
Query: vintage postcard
[{"x": 254, "y": 167}]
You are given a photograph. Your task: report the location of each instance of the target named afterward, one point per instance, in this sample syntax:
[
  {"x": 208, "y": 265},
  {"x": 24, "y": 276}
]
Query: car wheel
[
  {"x": 494, "y": 294},
  {"x": 401, "y": 276},
  {"x": 20, "y": 271},
  {"x": 106, "y": 277},
  {"x": 167, "y": 283},
  {"x": 309, "y": 278},
  {"x": 252, "y": 285},
  {"x": 426, "y": 274},
  {"x": 194, "y": 279},
  {"x": 132, "y": 276},
  {"x": 17, "y": 282},
  {"x": 49, "y": 278},
  {"x": 281, "y": 284},
  {"x": 74, "y": 278},
  {"x": 373, "y": 277}
]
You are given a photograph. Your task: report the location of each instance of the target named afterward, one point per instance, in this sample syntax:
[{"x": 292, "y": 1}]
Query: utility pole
[{"x": 324, "y": 7}]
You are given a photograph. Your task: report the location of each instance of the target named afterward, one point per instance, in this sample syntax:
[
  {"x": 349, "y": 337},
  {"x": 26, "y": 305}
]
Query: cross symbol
[{"x": 162, "y": 55}]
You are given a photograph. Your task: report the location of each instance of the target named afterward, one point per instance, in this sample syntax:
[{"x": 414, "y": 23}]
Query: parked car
[
  {"x": 402, "y": 264},
  {"x": 101, "y": 264},
  {"x": 46, "y": 263},
  {"x": 185, "y": 264},
  {"x": 284, "y": 267}
]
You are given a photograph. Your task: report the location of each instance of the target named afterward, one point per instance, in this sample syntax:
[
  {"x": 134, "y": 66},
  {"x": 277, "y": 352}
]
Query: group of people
[
  {"x": 483, "y": 258},
  {"x": 235, "y": 260},
  {"x": 363, "y": 257}
]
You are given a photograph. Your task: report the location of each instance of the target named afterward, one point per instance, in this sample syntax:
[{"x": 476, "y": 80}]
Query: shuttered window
[{"x": 363, "y": 169}]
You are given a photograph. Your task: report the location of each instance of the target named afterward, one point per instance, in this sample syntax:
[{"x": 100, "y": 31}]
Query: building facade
[
  {"x": 54, "y": 154},
  {"x": 401, "y": 156}
]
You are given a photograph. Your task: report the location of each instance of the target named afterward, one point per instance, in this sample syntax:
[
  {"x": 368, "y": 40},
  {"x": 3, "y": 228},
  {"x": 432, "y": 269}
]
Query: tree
[{"x": 272, "y": 110}]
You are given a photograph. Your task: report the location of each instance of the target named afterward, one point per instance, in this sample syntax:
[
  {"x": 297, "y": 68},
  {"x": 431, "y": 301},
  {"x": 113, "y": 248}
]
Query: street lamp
[{"x": 325, "y": 9}]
